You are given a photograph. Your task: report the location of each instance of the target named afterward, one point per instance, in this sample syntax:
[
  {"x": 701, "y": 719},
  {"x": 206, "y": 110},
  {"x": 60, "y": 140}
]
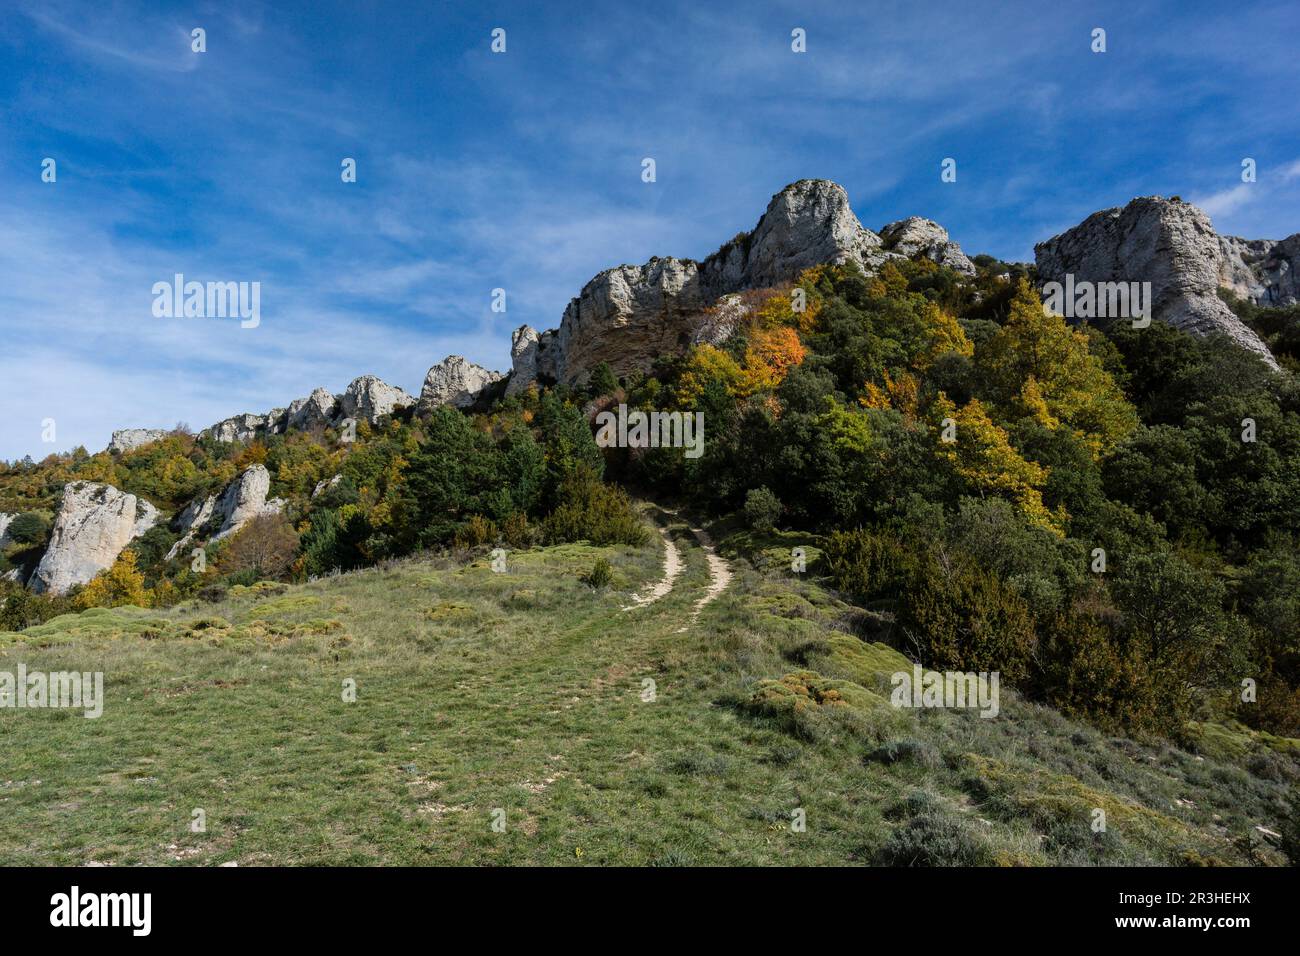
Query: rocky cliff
[
  {"x": 240, "y": 502},
  {"x": 630, "y": 315},
  {"x": 1173, "y": 245},
  {"x": 95, "y": 522},
  {"x": 454, "y": 381}
]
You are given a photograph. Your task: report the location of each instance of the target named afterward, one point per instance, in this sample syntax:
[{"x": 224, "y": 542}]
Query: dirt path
[
  {"x": 719, "y": 573},
  {"x": 672, "y": 568},
  {"x": 719, "y": 576}
]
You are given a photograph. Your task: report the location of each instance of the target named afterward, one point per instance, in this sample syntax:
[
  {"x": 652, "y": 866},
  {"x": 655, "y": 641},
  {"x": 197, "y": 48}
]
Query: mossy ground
[{"x": 528, "y": 691}]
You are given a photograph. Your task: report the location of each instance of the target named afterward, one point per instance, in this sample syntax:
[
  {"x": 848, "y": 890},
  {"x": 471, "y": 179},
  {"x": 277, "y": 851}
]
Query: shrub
[
  {"x": 762, "y": 509},
  {"x": 962, "y": 617},
  {"x": 1085, "y": 674},
  {"x": 590, "y": 510},
  {"x": 516, "y": 531},
  {"x": 868, "y": 566},
  {"x": 601, "y": 574},
  {"x": 475, "y": 533},
  {"x": 119, "y": 585},
  {"x": 30, "y": 527}
]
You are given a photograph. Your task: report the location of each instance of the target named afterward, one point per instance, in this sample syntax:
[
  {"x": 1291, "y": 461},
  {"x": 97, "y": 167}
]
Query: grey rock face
[
  {"x": 245, "y": 499},
  {"x": 914, "y": 236},
  {"x": 317, "y": 410},
  {"x": 237, "y": 428},
  {"x": 241, "y": 501},
  {"x": 454, "y": 381},
  {"x": 95, "y": 523},
  {"x": 325, "y": 484},
  {"x": 194, "y": 516},
  {"x": 523, "y": 359},
  {"x": 630, "y": 315},
  {"x": 370, "y": 398},
  {"x": 5, "y": 521},
  {"x": 127, "y": 439},
  {"x": 1172, "y": 245},
  {"x": 1266, "y": 271}
]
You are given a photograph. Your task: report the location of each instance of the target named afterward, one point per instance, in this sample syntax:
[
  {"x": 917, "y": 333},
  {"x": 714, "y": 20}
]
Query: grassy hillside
[{"x": 525, "y": 691}]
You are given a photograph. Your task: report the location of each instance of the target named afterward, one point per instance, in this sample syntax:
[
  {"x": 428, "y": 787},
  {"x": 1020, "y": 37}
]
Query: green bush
[
  {"x": 590, "y": 510},
  {"x": 762, "y": 509},
  {"x": 30, "y": 527},
  {"x": 961, "y": 617},
  {"x": 601, "y": 574},
  {"x": 869, "y": 566}
]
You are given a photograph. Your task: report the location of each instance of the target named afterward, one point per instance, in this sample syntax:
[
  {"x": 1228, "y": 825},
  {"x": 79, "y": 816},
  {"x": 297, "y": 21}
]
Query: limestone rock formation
[
  {"x": 237, "y": 428},
  {"x": 245, "y": 499},
  {"x": 1173, "y": 245},
  {"x": 1266, "y": 271},
  {"x": 95, "y": 522},
  {"x": 192, "y": 518},
  {"x": 454, "y": 381},
  {"x": 317, "y": 410},
  {"x": 325, "y": 484},
  {"x": 915, "y": 236},
  {"x": 127, "y": 439},
  {"x": 5, "y": 521},
  {"x": 524, "y": 344},
  {"x": 630, "y": 315},
  {"x": 370, "y": 398}
]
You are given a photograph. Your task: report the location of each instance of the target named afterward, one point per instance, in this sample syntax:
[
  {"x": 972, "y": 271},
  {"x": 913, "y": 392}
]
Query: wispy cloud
[{"x": 522, "y": 171}]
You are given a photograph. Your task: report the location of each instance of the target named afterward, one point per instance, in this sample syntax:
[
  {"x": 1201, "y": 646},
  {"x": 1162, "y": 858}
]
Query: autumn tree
[
  {"x": 266, "y": 546},
  {"x": 1042, "y": 369},
  {"x": 120, "y": 585}
]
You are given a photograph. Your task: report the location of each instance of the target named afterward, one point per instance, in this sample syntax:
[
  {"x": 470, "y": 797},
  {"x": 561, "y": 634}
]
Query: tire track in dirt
[
  {"x": 719, "y": 577},
  {"x": 672, "y": 568}
]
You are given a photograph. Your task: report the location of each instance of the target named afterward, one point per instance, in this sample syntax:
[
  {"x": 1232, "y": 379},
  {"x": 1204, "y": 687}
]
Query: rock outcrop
[
  {"x": 1265, "y": 271},
  {"x": 128, "y": 439},
  {"x": 630, "y": 315},
  {"x": 367, "y": 397},
  {"x": 5, "y": 521},
  {"x": 241, "y": 501},
  {"x": 370, "y": 398},
  {"x": 1173, "y": 245},
  {"x": 245, "y": 499},
  {"x": 454, "y": 381},
  {"x": 243, "y": 427},
  {"x": 317, "y": 410},
  {"x": 191, "y": 519},
  {"x": 324, "y": 485},
  {"x": 914, "y": 236},
  {"x": 524, "y": 344},
  {"x": 95, "y": 523}
]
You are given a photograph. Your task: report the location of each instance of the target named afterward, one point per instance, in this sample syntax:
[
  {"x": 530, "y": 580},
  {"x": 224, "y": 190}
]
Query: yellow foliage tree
[
  {"x": 771, "y": 353},
  {"x": 121, "y": 584},
  {"x": 903, "y": 394},
  {"x": 983, "y": 456},
  {"x": 943, "y": 334},
  {"x": 706, "y": 364},
  {"x": 1040, "y": 367}
]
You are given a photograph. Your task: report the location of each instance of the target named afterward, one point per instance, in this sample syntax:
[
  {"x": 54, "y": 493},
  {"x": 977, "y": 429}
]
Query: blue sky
[{"x": 522, "y": 170}]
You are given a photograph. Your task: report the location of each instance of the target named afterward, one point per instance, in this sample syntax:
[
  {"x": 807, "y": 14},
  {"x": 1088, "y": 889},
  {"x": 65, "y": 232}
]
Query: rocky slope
[
  {"x": 630, "y": 315},
  {"x": 1173, "y": 245}
]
